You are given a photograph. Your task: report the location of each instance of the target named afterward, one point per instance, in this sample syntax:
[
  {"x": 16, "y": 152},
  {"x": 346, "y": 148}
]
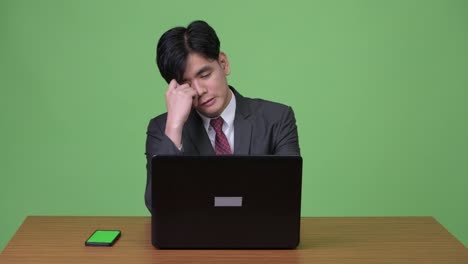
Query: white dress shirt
[{"x": 228, "y": 125}]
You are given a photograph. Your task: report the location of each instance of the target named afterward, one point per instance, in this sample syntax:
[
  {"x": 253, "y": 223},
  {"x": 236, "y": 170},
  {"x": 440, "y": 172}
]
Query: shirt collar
[{"x": 228, "y": 114}]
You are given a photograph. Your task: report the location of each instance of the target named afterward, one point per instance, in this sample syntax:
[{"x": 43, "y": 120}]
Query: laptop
[{"x": 230, "y": 202}]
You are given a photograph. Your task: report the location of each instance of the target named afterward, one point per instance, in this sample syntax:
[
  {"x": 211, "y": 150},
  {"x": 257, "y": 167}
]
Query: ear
[{"x": 224, "y": 62}]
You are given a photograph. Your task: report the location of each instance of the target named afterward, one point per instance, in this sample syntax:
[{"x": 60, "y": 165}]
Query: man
[{"x": 206, "y": 116}]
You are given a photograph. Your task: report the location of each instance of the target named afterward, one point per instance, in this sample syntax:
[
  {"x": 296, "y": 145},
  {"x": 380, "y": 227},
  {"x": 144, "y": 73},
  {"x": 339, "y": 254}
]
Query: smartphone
[{"x": 103, "y": 238}]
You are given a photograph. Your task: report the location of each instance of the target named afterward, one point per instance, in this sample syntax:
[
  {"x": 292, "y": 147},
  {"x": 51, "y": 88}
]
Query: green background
[{"x": 379, "y": 89}]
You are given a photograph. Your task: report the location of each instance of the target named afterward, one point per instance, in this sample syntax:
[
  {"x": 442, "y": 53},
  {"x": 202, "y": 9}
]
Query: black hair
[{"x": 177, "y": 43}]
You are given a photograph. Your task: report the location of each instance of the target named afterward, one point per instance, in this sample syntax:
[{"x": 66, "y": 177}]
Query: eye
[{"x": 205, "y": 76}]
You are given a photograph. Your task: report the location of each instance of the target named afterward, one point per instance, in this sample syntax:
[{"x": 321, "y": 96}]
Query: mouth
[{"x": 207, "y": 102}]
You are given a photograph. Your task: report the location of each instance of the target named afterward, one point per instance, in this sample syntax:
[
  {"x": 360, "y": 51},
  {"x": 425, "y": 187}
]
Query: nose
[{"x": 199, "y": 88}]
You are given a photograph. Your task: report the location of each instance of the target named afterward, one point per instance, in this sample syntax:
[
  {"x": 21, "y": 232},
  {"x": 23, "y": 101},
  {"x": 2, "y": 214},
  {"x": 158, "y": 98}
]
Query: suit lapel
[
  {"x": 242, "y": 126},
  {"x": 197, "y": 135}
]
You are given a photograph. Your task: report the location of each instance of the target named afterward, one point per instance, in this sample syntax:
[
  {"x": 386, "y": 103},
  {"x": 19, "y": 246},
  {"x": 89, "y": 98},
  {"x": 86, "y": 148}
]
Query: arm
[
  {"x": 157, "y": 143},
  {"x": 287, "y": 139},
  {"x": 164, "y": 135}
]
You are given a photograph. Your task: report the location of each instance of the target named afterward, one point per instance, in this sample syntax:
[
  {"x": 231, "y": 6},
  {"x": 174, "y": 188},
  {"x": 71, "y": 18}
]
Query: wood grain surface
[{"x": 52, "y": 239}]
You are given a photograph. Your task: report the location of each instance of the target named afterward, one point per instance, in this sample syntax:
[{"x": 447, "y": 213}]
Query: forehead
[{"x": 195, "y": 63}]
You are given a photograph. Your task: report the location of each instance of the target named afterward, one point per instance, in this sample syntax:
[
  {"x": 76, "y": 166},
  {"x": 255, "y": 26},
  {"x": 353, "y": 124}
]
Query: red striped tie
[{"x": 221, "y": 143}]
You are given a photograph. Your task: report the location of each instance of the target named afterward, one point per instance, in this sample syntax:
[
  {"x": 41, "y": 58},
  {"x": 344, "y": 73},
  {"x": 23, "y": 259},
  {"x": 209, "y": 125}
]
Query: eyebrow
[{"x": 200, "y": 71}]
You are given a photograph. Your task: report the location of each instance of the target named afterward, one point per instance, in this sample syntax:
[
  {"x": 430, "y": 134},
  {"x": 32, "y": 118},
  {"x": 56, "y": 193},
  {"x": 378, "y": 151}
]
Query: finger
[
  {"x": 185, "y": 89},
  {"x": 172, "y": 85},
  {"x": 183, "y": 86}
]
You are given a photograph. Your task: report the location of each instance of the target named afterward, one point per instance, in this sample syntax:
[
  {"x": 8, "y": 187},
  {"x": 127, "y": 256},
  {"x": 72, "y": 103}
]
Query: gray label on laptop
[{"x": 228, "y": 201}]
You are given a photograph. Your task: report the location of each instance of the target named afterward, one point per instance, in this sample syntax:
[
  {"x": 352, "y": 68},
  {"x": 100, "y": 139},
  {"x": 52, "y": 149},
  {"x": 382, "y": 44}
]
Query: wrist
[
  {"x": 173, "y": 123},
  {"x": 175, "y": 135}
]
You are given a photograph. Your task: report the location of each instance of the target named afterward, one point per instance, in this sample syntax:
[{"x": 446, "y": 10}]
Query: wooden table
[{"x": 42, "y": 239}]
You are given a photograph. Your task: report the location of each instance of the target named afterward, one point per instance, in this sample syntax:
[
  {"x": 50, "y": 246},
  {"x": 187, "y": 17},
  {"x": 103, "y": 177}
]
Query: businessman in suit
[{"x": 205, "y": 115}]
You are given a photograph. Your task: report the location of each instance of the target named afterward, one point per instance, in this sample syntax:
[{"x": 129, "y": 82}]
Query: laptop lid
[{"x": 226, "y": 201}]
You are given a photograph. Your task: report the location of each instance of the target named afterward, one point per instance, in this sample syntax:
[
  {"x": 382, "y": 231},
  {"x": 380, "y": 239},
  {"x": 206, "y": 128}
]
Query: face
[{"x": 208, "y": 78}]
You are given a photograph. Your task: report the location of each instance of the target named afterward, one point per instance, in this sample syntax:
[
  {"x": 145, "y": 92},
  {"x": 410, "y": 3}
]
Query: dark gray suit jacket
[{"x": 260, "y": 128}]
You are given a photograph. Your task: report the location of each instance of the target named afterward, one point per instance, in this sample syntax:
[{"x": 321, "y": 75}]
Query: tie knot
[{"x": 217, "y": 123}]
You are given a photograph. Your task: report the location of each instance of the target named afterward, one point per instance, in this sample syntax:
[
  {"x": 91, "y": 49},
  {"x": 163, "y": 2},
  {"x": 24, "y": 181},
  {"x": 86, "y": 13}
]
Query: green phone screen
[{"x": 103, "y": 238}]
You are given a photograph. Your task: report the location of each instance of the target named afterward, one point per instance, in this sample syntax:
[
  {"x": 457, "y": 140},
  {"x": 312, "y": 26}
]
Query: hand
[{"x": 179, "y": 102}]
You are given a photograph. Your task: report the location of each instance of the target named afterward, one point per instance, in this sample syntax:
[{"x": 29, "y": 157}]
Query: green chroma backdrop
[{"x": 379, "y": 89}]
